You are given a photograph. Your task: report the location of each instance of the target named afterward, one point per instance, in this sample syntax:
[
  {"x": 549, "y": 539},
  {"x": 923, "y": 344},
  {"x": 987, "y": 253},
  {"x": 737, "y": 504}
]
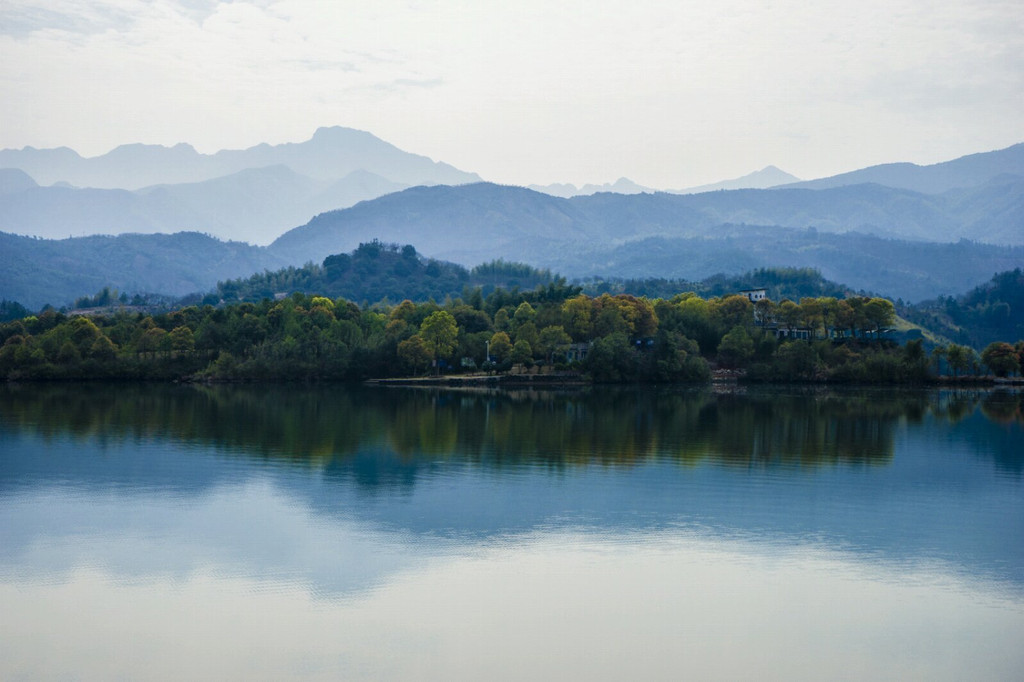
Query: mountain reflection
[{"x": 903, "y": 475}]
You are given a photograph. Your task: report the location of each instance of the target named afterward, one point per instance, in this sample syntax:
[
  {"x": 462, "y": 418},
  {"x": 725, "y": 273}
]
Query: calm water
[{"x": 276, "y": 533}]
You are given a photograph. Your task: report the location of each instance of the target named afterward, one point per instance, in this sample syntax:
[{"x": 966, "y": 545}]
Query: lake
[{"x": 277, "y": 532}]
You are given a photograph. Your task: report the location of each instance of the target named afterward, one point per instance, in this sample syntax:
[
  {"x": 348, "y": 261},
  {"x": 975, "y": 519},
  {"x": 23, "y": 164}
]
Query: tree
[
  {"x": 959, "y": 358},
  {"x": 440, "y": 334},
  {"x": 796, "y": 360},
  {"x": 731, "y": 311},
  {"x": 413, "y": 351},
  {"x": 1001, "y": 358},
  {"x": 880, "y": 313},
  {"x": 790, "y": 314},
  {"x": 523, "y": 315},
  {"x": 501, "y": 346},
  {"x": 521, "y": 352},
  {"x": 813, "y": 314},
  {"x": 577, "y": 313},
  {"x": 938, "y": 353},
  {"x": 764, "y": 311},
  {"x": 553, "y": 340},
  {"x": 736, "y": 347},
  {"x": 103, "y": 349},
  {"x": 182, "y": 339}
]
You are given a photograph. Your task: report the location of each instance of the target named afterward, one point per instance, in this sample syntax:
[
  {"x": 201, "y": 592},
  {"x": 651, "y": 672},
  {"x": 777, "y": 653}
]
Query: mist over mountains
[{"x": 900, "y": 229}]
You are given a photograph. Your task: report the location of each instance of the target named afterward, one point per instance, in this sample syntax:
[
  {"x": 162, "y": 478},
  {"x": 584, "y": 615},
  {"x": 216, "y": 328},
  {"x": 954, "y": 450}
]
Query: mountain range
[
  {"x": 765, "y": 178},
  {"x": 332, "y": 153},
  {"x": 887, "y": 229}
]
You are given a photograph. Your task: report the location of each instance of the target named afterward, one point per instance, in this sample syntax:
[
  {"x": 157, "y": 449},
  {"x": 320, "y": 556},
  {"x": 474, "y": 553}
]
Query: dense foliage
[
  {"x": 779, "y": 283},
  {"x": 375, "y": 272},
  {"x": 620, "y": 338}
]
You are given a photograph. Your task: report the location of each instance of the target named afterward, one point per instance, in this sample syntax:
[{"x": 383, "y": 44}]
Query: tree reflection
[{"x": 322, "y": 426}]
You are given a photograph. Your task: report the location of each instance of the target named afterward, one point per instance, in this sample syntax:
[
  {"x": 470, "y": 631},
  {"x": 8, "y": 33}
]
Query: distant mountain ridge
[
  {"x": 569, "y": 190},
  {"x": 964, "y": 172},
  {"x": 477, "y": 222},
  {"x": 769, "y": 176},
  {"x": 682, "y": 236},
  {"x": 254, "y": 205},
  {"x": 332, "y": 153}
]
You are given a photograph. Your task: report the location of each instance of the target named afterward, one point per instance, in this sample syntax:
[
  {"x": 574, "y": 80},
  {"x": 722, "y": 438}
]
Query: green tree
[
  {"x": 524, "y": 314},
  {"x": 796, "y": 360},
  {"x": 182, "y": 340},
  {"x": 553, "y": 340},
  {"x": 521, "y": 352},
  {"x": 501, "y": 346},
  {"x": 440, "y": 334},
  {"x": 959, "y": 358},
  {"x": 736, "y": 347},
  {"x": 880, "y": 313},
  {"x": 790, "y": 315},
  {"x": 1001, "y": 358},
  {"x": 68, "y": 354},
  {"x": 103, "y": 349},
  {"x": 414, "y": 353},
  {"x": 577, "y": 313}
]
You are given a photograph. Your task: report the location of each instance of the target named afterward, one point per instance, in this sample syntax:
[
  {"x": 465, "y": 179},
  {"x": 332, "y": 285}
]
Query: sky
[{"x": 671, "y": 95}]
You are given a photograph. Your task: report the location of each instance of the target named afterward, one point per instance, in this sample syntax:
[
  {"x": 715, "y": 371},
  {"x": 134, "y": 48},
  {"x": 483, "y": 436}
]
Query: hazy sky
[{"x": 668, "y": 94}]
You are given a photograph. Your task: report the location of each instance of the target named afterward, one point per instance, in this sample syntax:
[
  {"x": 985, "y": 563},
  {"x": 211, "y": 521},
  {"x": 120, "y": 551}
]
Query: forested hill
[
  {"x": 778, "y": 283},
  {"x": 991, "y": 312},
  {"x": 388, "y": 272},
  {"x": 35, "y": 272},
  {"x": 375, "y": 272}
]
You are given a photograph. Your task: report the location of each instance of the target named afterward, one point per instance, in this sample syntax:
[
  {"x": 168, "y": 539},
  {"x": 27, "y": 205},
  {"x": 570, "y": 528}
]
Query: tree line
[{"x": 610, "y": 338}]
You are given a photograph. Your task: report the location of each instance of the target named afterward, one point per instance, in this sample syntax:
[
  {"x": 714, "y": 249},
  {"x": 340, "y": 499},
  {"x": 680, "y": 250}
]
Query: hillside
[
  {"x": 993, "y": 311},
  {"x": 35, "y": 272}
]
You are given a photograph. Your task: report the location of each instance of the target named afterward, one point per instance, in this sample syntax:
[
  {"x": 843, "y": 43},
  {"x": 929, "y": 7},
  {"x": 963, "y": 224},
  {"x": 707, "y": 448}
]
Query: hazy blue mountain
[
  {"x": 567, "y": 190},
  {"x": 913, "y": 271},
  {"x": 689, "y": 236},
  {"x": 967, "y": 171},
  {"x": 993, "y": 212},
  {"x": 494, "y": 220},
  {"x": 770, "y": 176},
  {"x": 478, "y": 222},
  {"x": 254, "y": 205},
  {"x": 331, "y": 154},
  {"x": 762, "y": 179},
  {"x": 39, "y": 271},
  {"x": 13, "y": 180}
]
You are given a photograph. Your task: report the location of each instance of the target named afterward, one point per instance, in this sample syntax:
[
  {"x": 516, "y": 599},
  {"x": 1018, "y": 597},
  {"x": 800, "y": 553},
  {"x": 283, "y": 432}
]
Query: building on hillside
[
  {"x": 755, "y": 295},
  {"x": 577, "y": 352}
]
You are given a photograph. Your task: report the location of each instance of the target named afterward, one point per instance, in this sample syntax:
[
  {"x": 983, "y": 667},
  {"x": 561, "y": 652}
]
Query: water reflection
[
  {"x": 442, "y": 533},
  {"x": 313, "y": 426}
]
